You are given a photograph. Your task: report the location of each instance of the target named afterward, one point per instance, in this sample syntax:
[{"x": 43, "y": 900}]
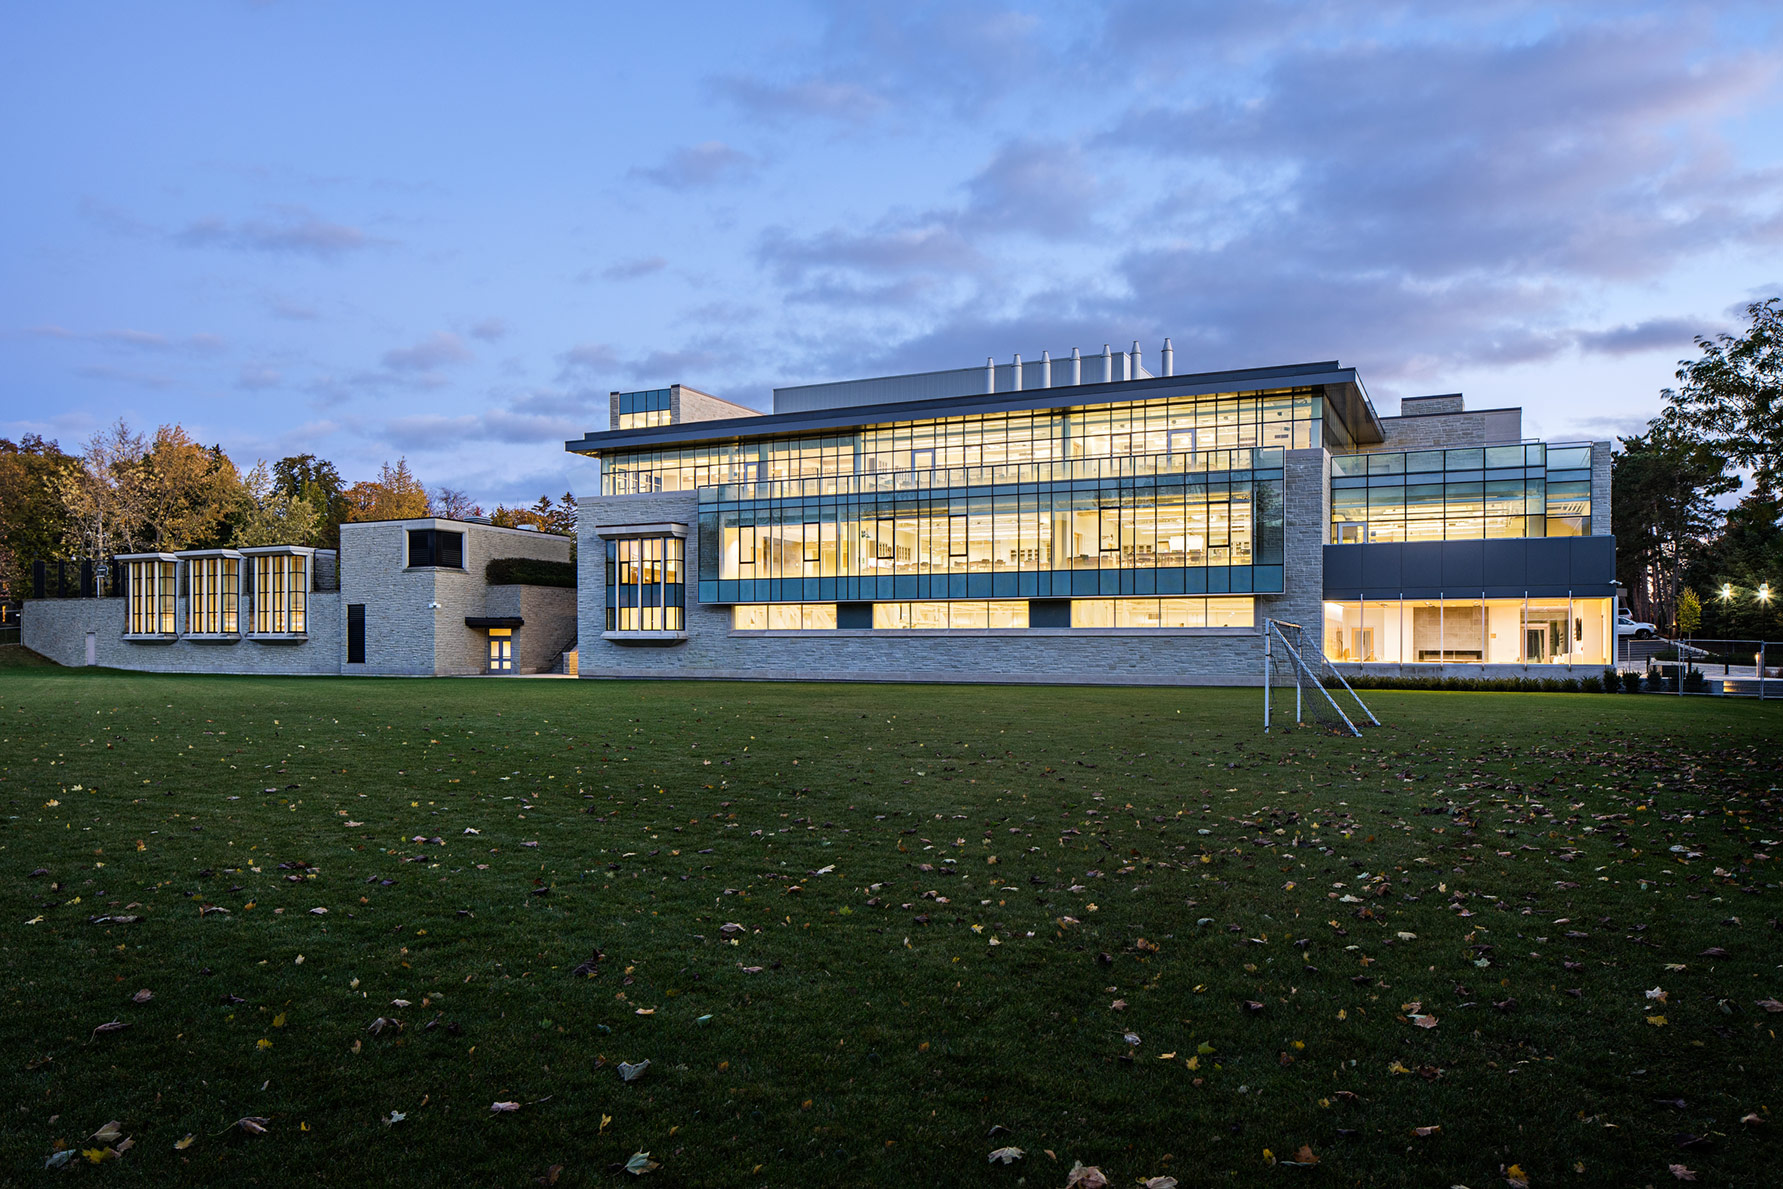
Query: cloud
[
  {"x": 439, "y": 432},
  {"x": 701, "y": 165},
  {"x": 290, "y": 230},
  {"x": 631, "y": 270},
  {"x": 807, "y": 98},
  {"x": 257, "y": 378},
  {"x": 1652, "y": 334},
  {"x": 130, "y": 339},
  {"x": 490, "y": 330},
  {"x": 1050, "y": 188},
  {"x": 438, "y": 350},
  {"x": 119, "y": 375},
  {"x": 284, "y": 307},
  {"x": 892, "y": 247},
  {"x": 579, "y": 361}
]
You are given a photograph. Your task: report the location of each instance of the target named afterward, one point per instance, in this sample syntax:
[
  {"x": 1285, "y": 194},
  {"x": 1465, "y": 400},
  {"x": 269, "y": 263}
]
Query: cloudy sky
[{"x": 445, "y": 231}]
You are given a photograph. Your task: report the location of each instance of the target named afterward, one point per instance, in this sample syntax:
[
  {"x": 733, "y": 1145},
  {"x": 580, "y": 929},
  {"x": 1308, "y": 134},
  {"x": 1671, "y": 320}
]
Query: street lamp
[
  {"x": 1764, "y": 592},
  {"x": 1727, "y": 592}
]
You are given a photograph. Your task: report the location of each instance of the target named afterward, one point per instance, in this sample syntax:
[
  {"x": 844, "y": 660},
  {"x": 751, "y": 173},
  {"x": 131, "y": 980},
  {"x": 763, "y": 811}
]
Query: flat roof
[{"x": 1342, "y": 387}]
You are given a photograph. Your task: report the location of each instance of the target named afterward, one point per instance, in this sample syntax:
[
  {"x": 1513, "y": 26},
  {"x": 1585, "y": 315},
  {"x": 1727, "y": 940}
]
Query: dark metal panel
[
  {"x": 1381, "y": 567},
  {"x": 1422, "y": 563},
  {"x": 1463, "y": 564},
  {"x": 1550, "y": 561}
]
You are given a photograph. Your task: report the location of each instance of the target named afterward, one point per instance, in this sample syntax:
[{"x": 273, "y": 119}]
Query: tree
[
  {"x": 187, "y": 491},
  {"x": 316, "y": 482},
  {"x": 1690, "y": 612},
  {"x": 103, "y": 495},
  {"x": 1663, "y": 485},
  {"x": 546, "y": 516},
  {"x": 394, "y": 495},
  {"x": 34, "y": 522},
  {"x": 271, "y": 515},
  {"x": 451, "y": 503},
  {"x": 1733, "y": 395},
  {"x": 1746, "y": 555}
]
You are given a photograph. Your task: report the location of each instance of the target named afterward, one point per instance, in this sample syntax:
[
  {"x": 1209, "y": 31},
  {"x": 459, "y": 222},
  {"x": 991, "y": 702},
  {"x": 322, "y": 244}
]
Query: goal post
[{"x": 1286, "y": 667}]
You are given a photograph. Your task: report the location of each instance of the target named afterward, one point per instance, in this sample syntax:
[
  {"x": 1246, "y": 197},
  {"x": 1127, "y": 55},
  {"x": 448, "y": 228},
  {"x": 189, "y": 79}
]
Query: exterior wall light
[
  {"x": 1727, "y": 592},
  {"x": 433, "y": 606},
  {"x": 1764, "y": 592}
]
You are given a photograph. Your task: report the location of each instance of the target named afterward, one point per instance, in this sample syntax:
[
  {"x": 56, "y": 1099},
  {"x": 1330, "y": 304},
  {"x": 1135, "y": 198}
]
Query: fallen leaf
[
  {"x": 1424, "y": 1021},
  {"x": 393, "y": 1118},
  {"x": 109, "y": 1132},
  {"x": 1159, "y": 1183},
  {"x": 631, "y": 1073},
  {"x": 501, "y": 1107},
  {"x": 1006, "y": 1155},
  {"x": 1770, "y": 1005},
  {"x": 108, "y": 1026},
  {"x": 1657, "y": 994},
  {"x": 252, "y": 1124},
  {"x": 180, "y": 1145},
  {"x": 1303, "y": 1155},
  {"x": 550, "y": 1175},
  {"x": 1517, "y": 1178},
  {"x": 1085, "y": 1176},
  {"x": 640, "y": 1163},
  {"x": 100, "y": 1155},
  {"x": 399, "y": 1003},
  {"x": 1427, "y": 1130},
  {"x": 58, "y": 1159},
  {"x": 1656, "y": 1021},
  {"x": 142, "y": 996},
  {"x": 1682, "y": 1173}
]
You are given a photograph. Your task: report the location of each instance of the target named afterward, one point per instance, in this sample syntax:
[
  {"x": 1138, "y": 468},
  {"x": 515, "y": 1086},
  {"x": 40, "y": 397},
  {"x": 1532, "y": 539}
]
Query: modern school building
[{"x": 1086, "y": 520}]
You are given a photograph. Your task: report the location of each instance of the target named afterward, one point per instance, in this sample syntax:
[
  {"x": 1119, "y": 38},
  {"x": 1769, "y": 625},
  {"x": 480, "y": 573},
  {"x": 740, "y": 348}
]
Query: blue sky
[{"x": 446, "y": 231}]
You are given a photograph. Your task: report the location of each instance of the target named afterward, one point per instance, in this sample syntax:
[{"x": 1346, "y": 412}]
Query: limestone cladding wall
[
  {"x": 1600, "y": 489},
  {"x": 399, "y": 626},
  {"x": 1444, "y": 429},
  {"x": 1104, "y": 657},
  {"x": 58, "y": 629},
  {"x": 689, "y": 404},
  {"x": 549, "y": 615}
]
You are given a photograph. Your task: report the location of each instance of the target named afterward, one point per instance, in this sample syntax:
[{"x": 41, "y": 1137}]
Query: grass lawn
[{"x": 1505, "y": 933}]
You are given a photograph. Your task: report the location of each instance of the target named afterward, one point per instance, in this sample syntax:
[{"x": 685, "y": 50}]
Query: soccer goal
[{"x": 1290, "y": 681}]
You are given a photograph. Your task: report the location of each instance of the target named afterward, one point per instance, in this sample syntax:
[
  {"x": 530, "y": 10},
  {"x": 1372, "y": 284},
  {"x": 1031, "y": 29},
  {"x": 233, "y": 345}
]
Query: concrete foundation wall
[{"x": 58, "y": 629}]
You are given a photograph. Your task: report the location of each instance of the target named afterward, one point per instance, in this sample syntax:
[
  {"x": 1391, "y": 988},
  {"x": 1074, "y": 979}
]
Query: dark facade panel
[{"x": 1550, "y": 567}]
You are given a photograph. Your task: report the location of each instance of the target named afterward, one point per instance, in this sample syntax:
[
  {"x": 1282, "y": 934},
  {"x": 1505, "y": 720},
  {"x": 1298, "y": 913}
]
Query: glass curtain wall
[
  {"x": 645, "y": 584},
  {"x": 1284, "y": 419},
  {"x": 1529, "y": 631},
  {"x": 639, "y": 410},
  {"x": 212, "y": 604},
  {"x": 1526, "y": 490}
]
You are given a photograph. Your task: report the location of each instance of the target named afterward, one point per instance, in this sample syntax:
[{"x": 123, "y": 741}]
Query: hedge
[{"x": 529, "y": 571}]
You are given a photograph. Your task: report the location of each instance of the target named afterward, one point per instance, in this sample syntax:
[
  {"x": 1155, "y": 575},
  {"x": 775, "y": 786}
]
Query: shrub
[
  {"x": 1591, "y": 685},
  {"x": 1695, "y": 682},
  {"x": 1656, "y": 681},
  {"x": 1631, "y": 682},
  {"x": 529, "y": 571},
  {"x": 1612, "y": 681}
]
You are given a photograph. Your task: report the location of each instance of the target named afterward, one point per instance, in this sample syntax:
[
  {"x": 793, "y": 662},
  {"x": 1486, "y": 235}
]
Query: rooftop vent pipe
[
  {"x": 990, "y": 374},
  {"x": 1169, "y": 359},
  {"x": 1017, "y": 371},
  {"x": 1076, "y": 366},
  {"x": 1046, "y": 369},
  {"x": 1107, "y": 365}
]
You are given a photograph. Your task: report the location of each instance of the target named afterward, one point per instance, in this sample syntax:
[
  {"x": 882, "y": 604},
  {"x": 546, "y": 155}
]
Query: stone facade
[
  {"x": 58, "y": 629},
  {"x": 414, "y": 615}
]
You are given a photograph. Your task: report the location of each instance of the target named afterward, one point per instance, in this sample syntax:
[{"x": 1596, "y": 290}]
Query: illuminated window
[
  {"x": 149, "y": 592},
  {"x": 645, "y": 584},
  {"x": 281, "y": 594},
  {"x": 213, "y": 591}
]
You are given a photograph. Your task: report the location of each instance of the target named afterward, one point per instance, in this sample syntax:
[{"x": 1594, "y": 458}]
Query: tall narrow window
[
  {"x": 355, "y": 633},
  {"x": 281, "y": 594},
  {"x": 149, "y": 588},
  {"x": 213, "y": 590}
]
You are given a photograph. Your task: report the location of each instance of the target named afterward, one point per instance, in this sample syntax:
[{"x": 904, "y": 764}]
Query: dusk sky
[{"x": 447, "y": 231}]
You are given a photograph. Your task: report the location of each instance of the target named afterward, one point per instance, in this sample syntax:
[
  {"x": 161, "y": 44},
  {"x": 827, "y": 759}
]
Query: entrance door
[
  {"x": 1535, "y": 643},
  {"x": 501, "y": 654}
]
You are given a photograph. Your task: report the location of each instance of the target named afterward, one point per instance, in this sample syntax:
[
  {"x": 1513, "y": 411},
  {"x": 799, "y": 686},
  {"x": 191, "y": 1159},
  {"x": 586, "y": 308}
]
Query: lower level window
[
  {"x": 1163, "y": 613},
  {"x": 952, "y": 615},
  {"x": 1527, "y": 631},
  {"x": 150, "y": 589},
  {"x": 645, "y": 589},
  {"x": 784, "y": 617}
]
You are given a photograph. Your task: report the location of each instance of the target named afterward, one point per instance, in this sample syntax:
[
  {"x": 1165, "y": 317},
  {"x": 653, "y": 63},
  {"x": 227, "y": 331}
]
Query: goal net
[{"x": 1305, "y": 685}]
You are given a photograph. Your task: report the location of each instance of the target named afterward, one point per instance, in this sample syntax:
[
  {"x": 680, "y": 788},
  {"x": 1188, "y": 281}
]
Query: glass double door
[{"x": 501, "y": 654}]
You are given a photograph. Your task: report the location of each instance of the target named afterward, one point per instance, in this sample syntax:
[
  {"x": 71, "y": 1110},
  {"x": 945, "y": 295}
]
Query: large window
[
  {"x": 1527, "y": 631},
  {"x": 639, "y": 410},
  {"x": 436, "y": 547},
  {"x": 954, "y": 615},
  {"x": 645, "y": 584},
  {"x": 150, "y": 589},
  {"x": 1181, "y": 427},
  {"x": 213, "y": 590},
  {"x": 281, "y": 593},
  {"x": 1526, "y": 490}
]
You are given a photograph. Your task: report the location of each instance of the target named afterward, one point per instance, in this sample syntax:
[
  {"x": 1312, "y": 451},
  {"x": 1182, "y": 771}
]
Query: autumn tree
[
  {"x": 187, "y": 491},
  {"x": 451, "y": 503},
  {"x": 103, "y": 494},
  {"x": 34, "y": 523},
  {"x": 394, "y": 495},
  {"x": 270, "y": 515},
  {"x": 544, "y": 515}
]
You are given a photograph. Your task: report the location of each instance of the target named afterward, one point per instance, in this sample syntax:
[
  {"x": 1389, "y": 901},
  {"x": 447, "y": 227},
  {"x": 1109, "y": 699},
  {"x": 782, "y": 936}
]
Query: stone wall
[
  {"x": 1430, "y": 430},
  {"x": 58, "y": 629},
  {"x": 549, "y": 615}
]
